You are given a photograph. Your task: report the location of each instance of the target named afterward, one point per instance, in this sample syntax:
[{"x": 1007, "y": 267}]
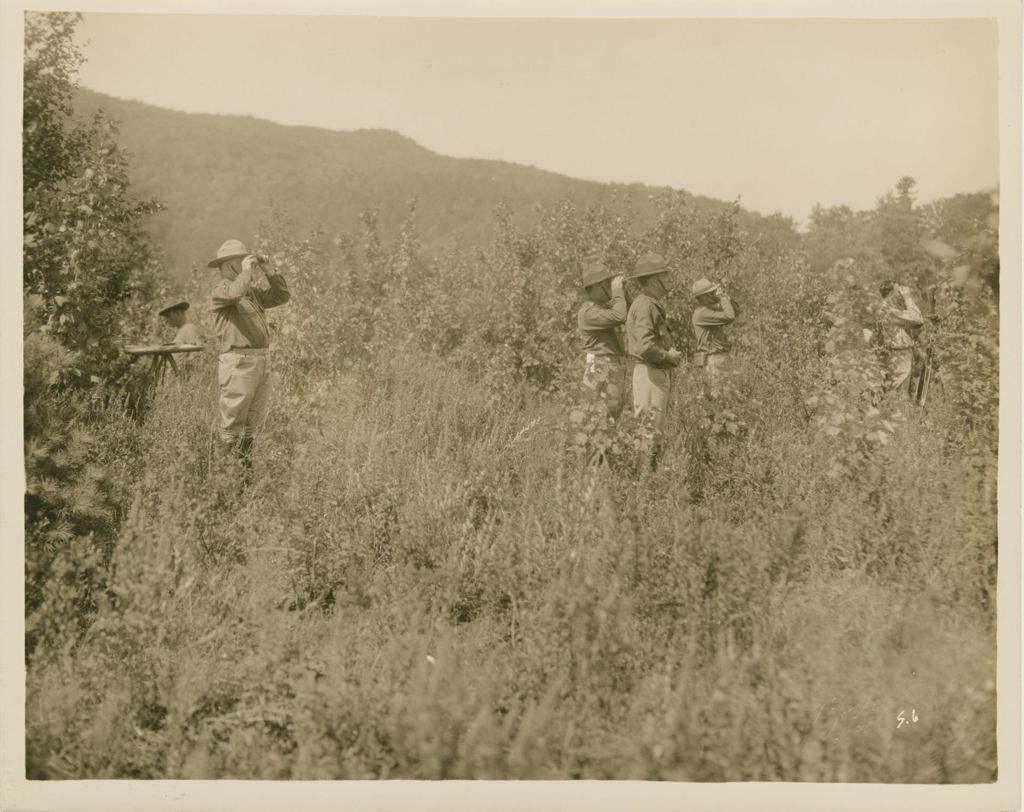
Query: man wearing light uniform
[
  {"x": 598, "y": 320},
  {"x": 900, "y": 316},
  {"x": 650, "y": 343},
  {"x": 243, "y": 369}
]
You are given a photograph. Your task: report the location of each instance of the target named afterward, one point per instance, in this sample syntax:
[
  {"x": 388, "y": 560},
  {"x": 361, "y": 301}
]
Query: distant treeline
[{"x": 222, "y": 175}]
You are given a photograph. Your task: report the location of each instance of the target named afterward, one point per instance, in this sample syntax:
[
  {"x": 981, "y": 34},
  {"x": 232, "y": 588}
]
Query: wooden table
[{"x": 162, "y": 355}]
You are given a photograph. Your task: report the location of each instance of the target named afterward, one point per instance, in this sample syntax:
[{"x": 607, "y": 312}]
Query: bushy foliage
[
  {"x": 451, "y": 566},
  {"x": 425, "y": 583},
  {"x": 84, "y": 252},
  {"x": 86, "y": 265}
]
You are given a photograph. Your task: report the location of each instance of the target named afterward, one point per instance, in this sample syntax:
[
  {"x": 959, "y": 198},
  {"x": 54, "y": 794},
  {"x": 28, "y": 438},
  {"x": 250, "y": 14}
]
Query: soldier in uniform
[
  {"x": 243, "y": 367},
  {"x": 174, "y": 314},
  {"x": 899, "y": 319},
  {"x": 186, "y": 332},
  {"x": 649, "y": 342},
  {"x": 599, "y": 319},
  {"x": 713, "y": 312}
]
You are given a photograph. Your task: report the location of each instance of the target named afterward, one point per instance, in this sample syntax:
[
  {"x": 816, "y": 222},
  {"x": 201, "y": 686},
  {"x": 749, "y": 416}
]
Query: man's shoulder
[{"x": 641, "y": 302}]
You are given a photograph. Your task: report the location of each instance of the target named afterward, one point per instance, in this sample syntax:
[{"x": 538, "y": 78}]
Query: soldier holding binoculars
[{"x": 243, "y": 368}]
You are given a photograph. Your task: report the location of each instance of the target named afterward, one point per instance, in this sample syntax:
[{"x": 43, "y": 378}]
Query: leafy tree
[
  {"x": 51, "y": 150},
  {"x": 85, "y": 253},
  {"x": 86, "y": 265},
  {"x": 899, "y": 231},
  {"x": 966, "y": 228}
]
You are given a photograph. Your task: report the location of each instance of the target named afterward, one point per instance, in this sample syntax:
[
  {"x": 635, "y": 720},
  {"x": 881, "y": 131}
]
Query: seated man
[{"x": 187, "y": 332}]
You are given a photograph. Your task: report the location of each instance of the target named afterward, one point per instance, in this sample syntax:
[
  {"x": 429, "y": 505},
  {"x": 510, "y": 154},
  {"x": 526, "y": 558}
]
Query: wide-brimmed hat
[
  {"x": 172, "y": 304},
  {"x": 594, "y": 273},
  {"x": 702, "y": 286},
  {"x": 232, "y": 249},
  {"x": 648, "y": 265}
]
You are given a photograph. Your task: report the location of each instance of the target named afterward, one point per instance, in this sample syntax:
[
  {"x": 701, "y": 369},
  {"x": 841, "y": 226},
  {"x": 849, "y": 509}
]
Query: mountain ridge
[{"x": 220, "y": 175}]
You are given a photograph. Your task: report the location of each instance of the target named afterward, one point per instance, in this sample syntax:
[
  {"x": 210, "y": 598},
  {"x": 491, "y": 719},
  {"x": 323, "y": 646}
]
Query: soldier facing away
[
  {"x": 243, "y": 367},
  {"x": 650, "y": 342},
  {"x": 598, "y": 320}
]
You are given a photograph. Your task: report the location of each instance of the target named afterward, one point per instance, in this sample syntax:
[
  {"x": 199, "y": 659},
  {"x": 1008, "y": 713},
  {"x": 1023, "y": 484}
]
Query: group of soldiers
[
  {"x": 249, "y": 284},
  {"x": 648, "y": 341}
]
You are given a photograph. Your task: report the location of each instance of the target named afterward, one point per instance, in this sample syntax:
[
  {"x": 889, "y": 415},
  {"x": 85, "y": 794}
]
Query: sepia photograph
[{"x": 452, "y": 398}]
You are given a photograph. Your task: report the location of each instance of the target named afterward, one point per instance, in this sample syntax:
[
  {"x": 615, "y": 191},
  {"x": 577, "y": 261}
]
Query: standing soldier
[
  {"x": 599, "y": 319},
  {"x": 713, "y": 312},
  {"x": 243, "y": 369},
  {"x": 900, "y": 318},
  {"x": 650, "y": 343}
]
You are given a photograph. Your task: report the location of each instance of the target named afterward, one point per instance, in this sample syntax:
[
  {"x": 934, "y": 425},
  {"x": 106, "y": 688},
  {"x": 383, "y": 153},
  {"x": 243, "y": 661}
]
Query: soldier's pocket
[
  {"x": 700, "y": 359},
  {"x": 226, "y": 365}
]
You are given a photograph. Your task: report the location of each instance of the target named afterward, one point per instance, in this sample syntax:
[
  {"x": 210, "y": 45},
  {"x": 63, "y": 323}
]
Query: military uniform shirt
[
  {"x": 597, "y": 325},
  {"x": 647, "y": 335},
  {"x": 188, "y": 333},
  {"x": 709, "y": 326},
  {"x": 238, "y": 310}
]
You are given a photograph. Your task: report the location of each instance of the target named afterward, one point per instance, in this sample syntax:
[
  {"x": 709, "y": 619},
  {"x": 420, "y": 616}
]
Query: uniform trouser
[
  {"x": 716, "y": 367},
  {"x": 652, "y": 389},
  {"x": 605, "y": 376},
  {"x": 901, "y": 363},
  {"x": 244, "y": 380}
]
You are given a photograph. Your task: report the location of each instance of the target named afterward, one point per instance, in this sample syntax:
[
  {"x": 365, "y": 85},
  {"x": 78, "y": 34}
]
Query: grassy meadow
[{"x": 425, "y": 581}]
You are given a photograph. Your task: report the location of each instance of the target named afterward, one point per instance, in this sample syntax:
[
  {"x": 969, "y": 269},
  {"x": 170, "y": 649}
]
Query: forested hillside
[{"x": 219, "y": 175}]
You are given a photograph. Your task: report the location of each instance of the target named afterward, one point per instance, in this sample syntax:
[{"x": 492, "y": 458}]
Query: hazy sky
[{"x": 784, "y": 113}]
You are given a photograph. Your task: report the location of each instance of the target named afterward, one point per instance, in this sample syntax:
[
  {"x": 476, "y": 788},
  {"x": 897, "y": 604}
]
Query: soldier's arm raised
[
  {"x": 228, "y": 293},
  {"x": 278, "y": 293},
  {"x": 597, "y": 317},
  {"x": 708, "y": 317}
]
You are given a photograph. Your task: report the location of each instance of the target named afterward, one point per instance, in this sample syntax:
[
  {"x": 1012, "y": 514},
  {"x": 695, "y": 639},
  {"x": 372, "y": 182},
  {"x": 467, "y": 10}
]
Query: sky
[{"x": 782, "y": 114}]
